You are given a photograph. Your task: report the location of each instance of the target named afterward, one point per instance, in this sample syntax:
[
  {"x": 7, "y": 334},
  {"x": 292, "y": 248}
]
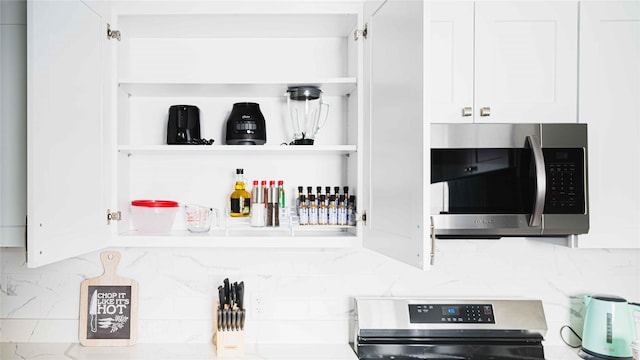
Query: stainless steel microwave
[{"x": 494, "y": 180}]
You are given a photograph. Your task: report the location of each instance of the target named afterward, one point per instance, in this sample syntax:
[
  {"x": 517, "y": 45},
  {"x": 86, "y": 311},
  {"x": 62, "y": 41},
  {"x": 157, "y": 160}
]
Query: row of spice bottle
[
  {"x": 327, "y": 208},
  {"x": 266, "y": 204}
]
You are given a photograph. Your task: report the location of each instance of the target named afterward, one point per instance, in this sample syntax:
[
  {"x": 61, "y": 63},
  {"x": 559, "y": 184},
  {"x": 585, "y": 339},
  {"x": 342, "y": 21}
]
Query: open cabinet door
[
  {"x": 396, "y": 159},
  {"x": 66, "y": 187}
]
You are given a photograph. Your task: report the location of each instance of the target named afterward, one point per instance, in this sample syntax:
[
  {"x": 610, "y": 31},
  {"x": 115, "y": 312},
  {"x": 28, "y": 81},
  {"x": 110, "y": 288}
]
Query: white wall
[{"x": 308, "y": 294}]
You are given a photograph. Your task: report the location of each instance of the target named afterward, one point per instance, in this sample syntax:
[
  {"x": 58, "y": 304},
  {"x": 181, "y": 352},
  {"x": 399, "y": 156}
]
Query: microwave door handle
[{"x": 541, "y": 180}]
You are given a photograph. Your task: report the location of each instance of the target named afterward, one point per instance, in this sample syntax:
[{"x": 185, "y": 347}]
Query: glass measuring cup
[{"x": 199, "y": 218}]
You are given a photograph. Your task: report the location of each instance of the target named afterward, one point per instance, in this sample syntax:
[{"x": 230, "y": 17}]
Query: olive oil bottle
[{"x": 240, "y": 197}]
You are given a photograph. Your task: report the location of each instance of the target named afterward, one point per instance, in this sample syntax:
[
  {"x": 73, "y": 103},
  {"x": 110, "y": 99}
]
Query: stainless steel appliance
[
  {"x": 493, "y": 180},
  {"x": 414, "y": 328}
]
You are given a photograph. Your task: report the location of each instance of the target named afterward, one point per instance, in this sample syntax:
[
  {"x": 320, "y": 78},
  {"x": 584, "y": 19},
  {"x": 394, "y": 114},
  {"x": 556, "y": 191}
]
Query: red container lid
[{"x": 155, "y": 203}]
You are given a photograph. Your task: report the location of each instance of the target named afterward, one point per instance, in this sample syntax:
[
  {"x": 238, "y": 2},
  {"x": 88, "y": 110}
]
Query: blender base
[{"x": 302, "y": 142}]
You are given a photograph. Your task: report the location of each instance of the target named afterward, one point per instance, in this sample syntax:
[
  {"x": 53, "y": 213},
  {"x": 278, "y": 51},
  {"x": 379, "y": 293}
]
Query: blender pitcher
[{"x": 308, "y": 113}]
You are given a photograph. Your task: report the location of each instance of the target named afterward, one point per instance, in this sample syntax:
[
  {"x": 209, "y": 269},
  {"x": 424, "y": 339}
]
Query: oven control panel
[{"x": 451, "y": 314}]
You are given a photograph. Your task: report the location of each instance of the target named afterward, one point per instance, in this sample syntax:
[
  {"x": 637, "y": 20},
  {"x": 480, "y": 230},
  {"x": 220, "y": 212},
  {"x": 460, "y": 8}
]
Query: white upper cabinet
[
  {"x": 67, "y": 178},
  {"x": 516, "y": 60},
  {"x": 98, "y": 112},
  {"x": 451, "y": 61},
  {"x": 525, "y": 61},
  {"x": 610, "y": 105}
]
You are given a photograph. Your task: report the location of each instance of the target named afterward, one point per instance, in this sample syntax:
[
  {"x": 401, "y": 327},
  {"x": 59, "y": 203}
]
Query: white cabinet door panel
[
  {"x": 610, "y": 105},
  {"x": 525, "y": 61},
  {"x": 451, "y": 61},
  {"x": 65, "y": 186},
  {"x": 13, "y": 137},
  {"x": 396, "y": 145}
]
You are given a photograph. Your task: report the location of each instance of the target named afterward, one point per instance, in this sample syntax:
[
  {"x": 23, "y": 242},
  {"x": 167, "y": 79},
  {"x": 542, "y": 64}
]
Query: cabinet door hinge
[
  {"x": 357, "y": 34},
  {"x": 113, "y": 216},
  {"x": 113, "y": 34},
  {"x": 362, "y": 217}
]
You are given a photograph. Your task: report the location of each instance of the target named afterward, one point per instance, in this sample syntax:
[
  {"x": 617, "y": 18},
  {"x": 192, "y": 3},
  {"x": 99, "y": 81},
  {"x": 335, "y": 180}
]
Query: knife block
[{"x": 229, "y": 343}]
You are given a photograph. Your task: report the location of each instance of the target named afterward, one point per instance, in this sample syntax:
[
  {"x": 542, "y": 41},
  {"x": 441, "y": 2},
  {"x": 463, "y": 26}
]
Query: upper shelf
[
  {"x": 330, "y": 87},
  {"x": 243, "y": 150},
  {"x": 230, "y": 25}
]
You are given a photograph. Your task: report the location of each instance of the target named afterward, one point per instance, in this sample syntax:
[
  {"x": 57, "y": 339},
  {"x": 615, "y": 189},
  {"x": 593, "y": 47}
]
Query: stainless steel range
[{"x": 401, "y": 328}]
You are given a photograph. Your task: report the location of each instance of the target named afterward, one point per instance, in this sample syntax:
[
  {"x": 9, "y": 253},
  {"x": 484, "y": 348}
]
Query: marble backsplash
[{"x": 306, "y": 296}]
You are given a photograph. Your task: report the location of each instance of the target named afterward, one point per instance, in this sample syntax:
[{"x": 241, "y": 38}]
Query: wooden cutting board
[{"x": 108, "y": 307}]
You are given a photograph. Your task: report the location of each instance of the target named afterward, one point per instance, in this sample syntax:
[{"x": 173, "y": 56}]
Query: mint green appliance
[{"x": 609, "y": 328}]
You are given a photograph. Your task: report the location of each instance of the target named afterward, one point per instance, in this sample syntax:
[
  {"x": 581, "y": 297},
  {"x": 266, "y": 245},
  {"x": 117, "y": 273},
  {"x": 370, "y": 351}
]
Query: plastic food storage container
[{"x": 153, "y": 216}]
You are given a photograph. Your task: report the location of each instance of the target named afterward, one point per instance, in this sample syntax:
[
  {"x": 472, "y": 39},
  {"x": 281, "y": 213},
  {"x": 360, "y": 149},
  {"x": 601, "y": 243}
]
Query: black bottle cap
[
  {"x": 336, "y": 189},
  {"x": 309, "y": 188},
  {"x": 312, "y": 198},
  {"x": 239, "y": 171},
  {"x": 322, "y": 198},
  {"x": 328, "y": 189},
  {"x": 299, "y": 188},
  {"x": 318, "y": 189},
  {"x": 302, "y": 199},
  {"x": 346, "y": 189}
]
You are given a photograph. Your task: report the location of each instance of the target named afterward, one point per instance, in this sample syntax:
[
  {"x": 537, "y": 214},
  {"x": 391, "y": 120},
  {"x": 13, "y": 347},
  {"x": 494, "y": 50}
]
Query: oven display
[{"x": 451, "y": 314}]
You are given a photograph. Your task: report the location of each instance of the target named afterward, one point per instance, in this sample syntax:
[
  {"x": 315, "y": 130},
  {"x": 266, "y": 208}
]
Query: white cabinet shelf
[
  {"x": 155, "y": 88},
  {"x": 281, "y": 237},
  {"x": 243, "y": 150},
  {"x": 308, "y": 242}
]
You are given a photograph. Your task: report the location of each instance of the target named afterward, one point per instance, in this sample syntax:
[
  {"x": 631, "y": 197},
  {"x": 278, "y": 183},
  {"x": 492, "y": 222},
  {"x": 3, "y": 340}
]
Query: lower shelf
[{"x": 296, "y": 237}]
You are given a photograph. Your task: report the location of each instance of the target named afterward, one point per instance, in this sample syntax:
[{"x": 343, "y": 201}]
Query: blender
[{"x": 308, "y": 113}]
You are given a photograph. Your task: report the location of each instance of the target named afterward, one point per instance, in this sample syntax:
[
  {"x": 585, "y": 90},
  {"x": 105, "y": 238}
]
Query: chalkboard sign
[
  {"x": 108, "y": 307},
  {"x": 109, "y": 312}
]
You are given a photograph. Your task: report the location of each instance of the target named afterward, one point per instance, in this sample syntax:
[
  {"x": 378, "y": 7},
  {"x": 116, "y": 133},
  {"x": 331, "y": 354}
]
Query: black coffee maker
[{"x": 184, "y": 126}]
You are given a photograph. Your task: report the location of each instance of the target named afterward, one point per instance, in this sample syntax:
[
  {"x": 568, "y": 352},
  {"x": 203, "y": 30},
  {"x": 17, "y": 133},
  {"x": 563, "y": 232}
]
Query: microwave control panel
[
  {"x": 451, "y": 314},
  {"x": 565, "y": 181}
]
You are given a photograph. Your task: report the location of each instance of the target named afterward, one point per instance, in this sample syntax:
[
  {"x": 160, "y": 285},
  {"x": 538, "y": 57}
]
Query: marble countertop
[{"x": 198, "y": 351}]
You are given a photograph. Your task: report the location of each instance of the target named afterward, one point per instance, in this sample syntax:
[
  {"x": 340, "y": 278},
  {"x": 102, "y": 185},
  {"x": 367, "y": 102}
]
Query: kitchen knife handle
[
  {"x": 232, "y": 295},
  {"x": 221, "y": 296},
  {"x": 94, "y": 323},
  {"x": 240, "y": 295},
  {"x": 227, "y": 288}
]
